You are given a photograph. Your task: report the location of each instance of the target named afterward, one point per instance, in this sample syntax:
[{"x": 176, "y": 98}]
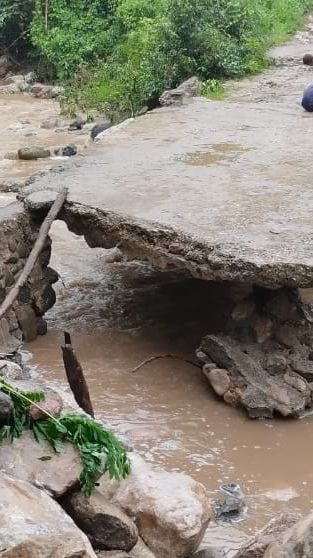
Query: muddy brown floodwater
[
  {"x": 122, "y": 313},
  {"x": 21, "y": 120}
]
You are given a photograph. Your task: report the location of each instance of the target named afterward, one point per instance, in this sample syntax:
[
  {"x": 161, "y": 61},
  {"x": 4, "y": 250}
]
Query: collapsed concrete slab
[
  {"x": 220, "y": 189},
  {"x": 262, "y": 358}
]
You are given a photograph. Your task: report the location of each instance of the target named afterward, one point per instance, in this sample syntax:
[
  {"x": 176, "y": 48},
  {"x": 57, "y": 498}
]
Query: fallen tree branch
[
  {"x": 152, "y": 359},
  {"x": 33, "y": 256},
  {"x": 75, "y": 376}
]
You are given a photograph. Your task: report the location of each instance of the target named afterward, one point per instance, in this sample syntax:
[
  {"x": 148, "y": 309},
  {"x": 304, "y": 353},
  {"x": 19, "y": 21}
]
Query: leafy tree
[{"x": 15, "y": 19}]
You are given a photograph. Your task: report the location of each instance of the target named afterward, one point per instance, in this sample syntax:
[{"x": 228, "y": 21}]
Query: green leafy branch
[{"x": 99, "y": 449}]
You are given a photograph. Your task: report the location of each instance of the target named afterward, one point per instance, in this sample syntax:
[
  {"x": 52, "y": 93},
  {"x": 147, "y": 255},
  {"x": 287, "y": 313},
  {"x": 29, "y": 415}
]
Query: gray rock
[
  {"x": 11, "y": 185},
  {"x": 46, "y": 91},
  {"x": 57, "y": 475},
  {"x": 171, "y": 510},
  {"x": 11, "y": 371},
  {"x": 43, "y": 297},
  {"x": 98, "y": 128},
  {"x": 106, "y": 526},
  {"x": 9, "y": 89},
  {"x": 4, "y": 65},
  {"x": 57, "y": 91},
  {"x": 272, "y": 532},
  {"x": 34, "y": 526},
  {"x": 30, "y": 78},
  {"x": 52, "y": 405},
  {"x": 176, "y": 96},
  {"x": 253, "y": 387},
  {"x": 229, "y": 508},
  {"x": 68, "y": 151},
  {"x": 140, "y": 550},
  {"x": 6, "y": 407},
  {"x": 78, "y": 123},
  {"x": 27, "y": 320},
  {"x": 42, "y": 326},
  {"x": 296, "y": 542},
  {"x": 35, "y": 152}
]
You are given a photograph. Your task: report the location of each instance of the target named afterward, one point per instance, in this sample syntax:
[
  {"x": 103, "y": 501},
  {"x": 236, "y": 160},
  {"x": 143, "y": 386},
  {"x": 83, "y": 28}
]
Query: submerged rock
[
  {"x": 35, "y": 152},
  {"x": 34, "y": 526},
  {"x": 233, "y": 506},
  {"x": 171, "y": 509},
  {"x": 107, "y": 527},
  {"x": 67, "y": 151}
]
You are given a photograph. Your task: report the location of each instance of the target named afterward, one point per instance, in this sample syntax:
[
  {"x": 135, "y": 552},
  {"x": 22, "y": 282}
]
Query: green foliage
[
  {"x": 65, "y": 32},
  {"x": 213, "y": 89},
  {"x": 99, "y": 449},
  {"x": 118, "y": 55}
]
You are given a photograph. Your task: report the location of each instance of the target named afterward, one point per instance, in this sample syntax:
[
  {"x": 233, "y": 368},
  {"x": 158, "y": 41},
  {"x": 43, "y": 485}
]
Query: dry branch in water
[
  {"x": 33, "y": 256},
  {"x": 151, "y": 359},
  {"x": 75, "y": 376}
]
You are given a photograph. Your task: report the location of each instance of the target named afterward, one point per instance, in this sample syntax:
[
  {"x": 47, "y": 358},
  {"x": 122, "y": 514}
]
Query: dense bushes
[{"x": 119, "y": 54}]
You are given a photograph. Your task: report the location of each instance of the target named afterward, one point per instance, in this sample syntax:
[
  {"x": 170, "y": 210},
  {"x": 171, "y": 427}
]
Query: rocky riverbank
[{"x": 150, "y": 514}]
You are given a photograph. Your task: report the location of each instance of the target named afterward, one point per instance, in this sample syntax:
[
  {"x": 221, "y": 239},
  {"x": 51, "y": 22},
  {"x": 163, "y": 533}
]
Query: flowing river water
[{"x": 121, "y": 313}]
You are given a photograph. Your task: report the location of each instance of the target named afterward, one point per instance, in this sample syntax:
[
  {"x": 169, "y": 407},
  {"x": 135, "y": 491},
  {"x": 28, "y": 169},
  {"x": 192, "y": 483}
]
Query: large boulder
[
  {"x": 27, "y": 460},
  {"x": 99, "y": 128},
  {"x": 171, "y": 510},
  {"x": 46, "y": 91},
  {"x": 34, "y": 526},
  {"x": 297, "y": 542},
  {"x": 107, "y": 527},
  {"x": 176, "y": 96},
  {"x": 272, "y": 532},
  {"x": 12, "y": 371},
  {"x": 34, "y": 152}
]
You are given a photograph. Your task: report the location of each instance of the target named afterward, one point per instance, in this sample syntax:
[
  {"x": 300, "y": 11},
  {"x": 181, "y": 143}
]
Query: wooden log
[
  {"x": 75, "y": 376},
  {"x": 36, "y": 250}
]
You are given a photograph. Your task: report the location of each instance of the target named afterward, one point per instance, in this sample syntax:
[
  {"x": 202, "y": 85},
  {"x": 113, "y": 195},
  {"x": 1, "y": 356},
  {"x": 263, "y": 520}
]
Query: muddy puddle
[
  {"x": 120, "y": 314},
  {"x": 220, "y": 153}
]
